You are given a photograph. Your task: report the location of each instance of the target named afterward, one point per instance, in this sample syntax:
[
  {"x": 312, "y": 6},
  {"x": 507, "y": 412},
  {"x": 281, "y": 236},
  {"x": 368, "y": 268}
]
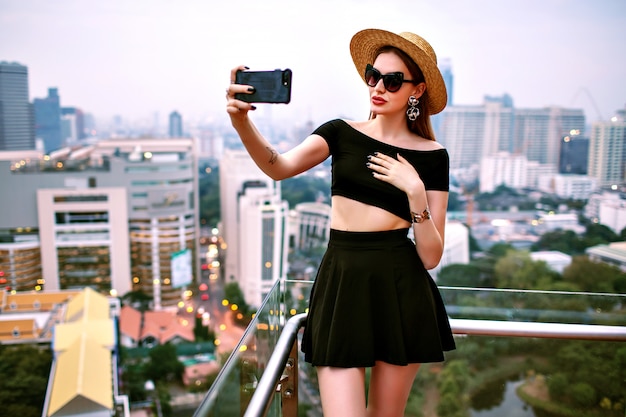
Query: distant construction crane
[{"x": 590, "y": 97}]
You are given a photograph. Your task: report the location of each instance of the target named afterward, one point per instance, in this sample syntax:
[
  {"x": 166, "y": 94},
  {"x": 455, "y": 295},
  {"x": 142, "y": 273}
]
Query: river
[{"x": 500, "y": 400}]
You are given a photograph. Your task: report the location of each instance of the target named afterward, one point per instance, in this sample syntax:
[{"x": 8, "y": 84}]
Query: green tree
[
  {"x": 459, "y": 275},
  {"x": 234, "y": 295},
  {"x": 592, "y": 276},
  {"x": 305, "y": 188},
  {"x": 557, "y": 385},
  {"x": 598, "y": 234},
  {"x": 202, "y": 332},
  {"x": 164, "y": 364},
  {"x": 24, "y": 373},
  {"x": 583, "y": 394},
  {"x": 517, "y": 270},
  {"x": 565, "y": 241}
]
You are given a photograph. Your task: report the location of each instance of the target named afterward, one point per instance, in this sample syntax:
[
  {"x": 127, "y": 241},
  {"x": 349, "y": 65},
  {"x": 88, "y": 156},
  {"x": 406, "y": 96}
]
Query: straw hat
[{"x": 365, "y": 43}]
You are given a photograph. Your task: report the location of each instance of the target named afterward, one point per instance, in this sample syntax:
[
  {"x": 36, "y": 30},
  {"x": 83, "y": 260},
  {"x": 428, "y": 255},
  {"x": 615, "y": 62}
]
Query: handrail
[
  {"x": 261, "y": 399},
  {"x": 538, "y": 329}
]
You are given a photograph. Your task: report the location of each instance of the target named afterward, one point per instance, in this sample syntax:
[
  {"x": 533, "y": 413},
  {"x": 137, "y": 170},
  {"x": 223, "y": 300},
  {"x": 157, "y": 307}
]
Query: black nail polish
[
  {"x": 368, "y": 165},
  {"x": 252, "y": 107},
  {"x": 251, "y": 89},
  {"x": 375, "y": 153}
]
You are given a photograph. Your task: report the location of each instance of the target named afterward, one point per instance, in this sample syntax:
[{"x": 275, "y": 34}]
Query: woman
[{"x": 373, "y": 303}]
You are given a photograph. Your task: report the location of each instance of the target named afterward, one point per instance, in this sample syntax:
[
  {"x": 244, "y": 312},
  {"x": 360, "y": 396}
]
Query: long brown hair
[{"x": 420, "y": 126}]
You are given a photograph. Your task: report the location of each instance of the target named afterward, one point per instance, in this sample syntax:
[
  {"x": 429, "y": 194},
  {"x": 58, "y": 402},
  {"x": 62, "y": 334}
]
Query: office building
[
  {"x": 607, "y": 151},
  {"x": 538, "y": 132},
  {"x": 309, "y": 225},
  {"x": 462, "y": 132},
  {"x": 16, "y": 115},
  {"x": 48, "y": 120},
  {"x": 471, "y": 133},
  {"x": 254, "y": 226},
  {"x": 577, "y": 187},
  {"x": 574, "y": 154},
  {"x": 112, "y": 216},
  {"x": 72, "y": 125},
  {"x": 176, "y": 125}
]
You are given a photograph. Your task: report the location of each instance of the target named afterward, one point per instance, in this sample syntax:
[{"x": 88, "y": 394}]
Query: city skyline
[{"x": 141, "y": 58}]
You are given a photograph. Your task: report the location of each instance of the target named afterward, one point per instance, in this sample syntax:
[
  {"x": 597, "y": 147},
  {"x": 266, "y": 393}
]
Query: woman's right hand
[{"x": 237, "y": 109}]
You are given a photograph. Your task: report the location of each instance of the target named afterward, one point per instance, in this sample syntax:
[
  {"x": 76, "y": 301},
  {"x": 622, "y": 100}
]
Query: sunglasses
[{"x": 392, "y": 81}]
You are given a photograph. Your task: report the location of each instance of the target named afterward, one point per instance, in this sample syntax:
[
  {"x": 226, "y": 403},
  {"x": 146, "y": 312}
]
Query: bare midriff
[{"x": 354, "y": 216}]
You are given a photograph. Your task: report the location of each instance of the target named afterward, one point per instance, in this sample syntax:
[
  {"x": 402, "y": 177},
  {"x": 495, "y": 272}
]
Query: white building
[
  {"x": 578, "y": 187},
  {"x": 613, "y": 215},
  {"x": 254, "y": 223},
  {"x": 456, "y": 248},
  {"x": 612, "y": 254},
  {"x": 607, "y": 151},
  {"x": 84, "y": 239},
  {"x": 548, "y": 222},
  {"x": 74, "y": 202},
  {"x": 503, "y": 169},
  {"x": 557, "y": 261},
  {"x": 309, "y": 225}
]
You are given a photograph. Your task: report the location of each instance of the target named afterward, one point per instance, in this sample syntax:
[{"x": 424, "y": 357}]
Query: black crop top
[{"x": 349, "y": 149}]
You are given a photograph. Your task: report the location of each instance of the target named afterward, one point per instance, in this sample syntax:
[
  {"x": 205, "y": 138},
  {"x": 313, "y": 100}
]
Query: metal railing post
[
  {"x": 266, "y": 388},
  {"x": 289, "y": 384}
]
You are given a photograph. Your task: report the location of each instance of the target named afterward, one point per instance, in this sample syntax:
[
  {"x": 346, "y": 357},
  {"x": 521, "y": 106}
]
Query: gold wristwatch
[{"x": 420, "y": 217}]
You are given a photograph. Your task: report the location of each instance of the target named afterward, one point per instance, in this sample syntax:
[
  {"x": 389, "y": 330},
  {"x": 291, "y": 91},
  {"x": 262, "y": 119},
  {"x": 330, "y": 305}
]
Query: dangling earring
[{"x": 413, "y": 111}]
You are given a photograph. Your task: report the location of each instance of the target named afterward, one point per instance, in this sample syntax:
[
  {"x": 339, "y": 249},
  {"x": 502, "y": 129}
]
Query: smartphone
[{"x": 271, "y": 86}]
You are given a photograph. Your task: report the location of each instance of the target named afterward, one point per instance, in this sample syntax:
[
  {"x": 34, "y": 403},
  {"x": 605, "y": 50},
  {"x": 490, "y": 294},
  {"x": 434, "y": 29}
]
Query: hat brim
[{"x": 366, "y": 43}]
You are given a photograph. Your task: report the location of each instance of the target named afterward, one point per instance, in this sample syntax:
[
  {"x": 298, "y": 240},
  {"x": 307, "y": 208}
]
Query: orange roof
[
  {"x": 130, "y": 322},
  {"x": 18, "y": 329},
  {"x": 164, "y": 326},
  {"x": 34, "y": 300}
]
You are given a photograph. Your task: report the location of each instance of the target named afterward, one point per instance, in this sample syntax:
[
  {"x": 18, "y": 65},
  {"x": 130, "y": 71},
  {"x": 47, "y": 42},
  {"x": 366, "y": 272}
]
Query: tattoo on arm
[{"x": 273, "y": 155}]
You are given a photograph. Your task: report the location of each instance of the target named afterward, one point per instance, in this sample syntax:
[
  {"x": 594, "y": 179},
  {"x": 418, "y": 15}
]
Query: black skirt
[{"x": 373, "y": 300}]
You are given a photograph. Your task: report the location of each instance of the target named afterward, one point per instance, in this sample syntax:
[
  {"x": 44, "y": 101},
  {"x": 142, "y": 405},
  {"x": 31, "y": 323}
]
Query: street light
[{"x": 151, "y": 389}]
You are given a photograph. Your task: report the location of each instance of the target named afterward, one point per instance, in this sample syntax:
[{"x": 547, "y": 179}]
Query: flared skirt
[{"x": 373, "y": 300}]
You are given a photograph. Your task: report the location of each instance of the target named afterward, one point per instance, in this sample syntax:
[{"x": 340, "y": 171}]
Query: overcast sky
[{"x": 137, "y": 57}]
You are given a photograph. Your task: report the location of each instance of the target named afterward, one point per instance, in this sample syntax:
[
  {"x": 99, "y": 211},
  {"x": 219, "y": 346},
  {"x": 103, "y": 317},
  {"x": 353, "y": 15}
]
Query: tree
[
  {"x": 565, "y": 241},
  {"x": 518, "y": 270},
  {"x": 24, "y": 373},
  {"x": 592, "y": 276},
  {"x": 164, "y": 364},
  {"x": 459, "y": 275},
  {"x": 234, "y": 295}
]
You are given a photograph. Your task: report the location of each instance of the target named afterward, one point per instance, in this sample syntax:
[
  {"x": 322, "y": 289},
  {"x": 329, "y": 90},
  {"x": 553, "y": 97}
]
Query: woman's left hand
[{"x": 397, "y": 172}]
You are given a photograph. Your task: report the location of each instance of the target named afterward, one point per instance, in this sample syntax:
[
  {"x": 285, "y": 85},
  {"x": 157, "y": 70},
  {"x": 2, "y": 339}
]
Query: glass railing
[{"x": 531, "y": 353}]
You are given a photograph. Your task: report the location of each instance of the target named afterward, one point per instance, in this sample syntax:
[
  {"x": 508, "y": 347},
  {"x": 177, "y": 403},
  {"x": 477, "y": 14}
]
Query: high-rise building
[
  {"x": 176, "y": 125},
  {"x": 254, "y": 226},
  {"x": 539, "y": 132},
  {"x": 607, "y": 151},
  {"x": 574, "y": 154},
  {"x": 114, "y": 216},
  {"x": 16, "y": 115},
  {"x": 48, "y": 120},
  {"x": 72, "y": 124},
  {"x": 471, "y": 133}
]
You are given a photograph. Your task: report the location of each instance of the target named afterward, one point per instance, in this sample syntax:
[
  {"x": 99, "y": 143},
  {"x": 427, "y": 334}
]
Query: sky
[{"x": 138, "y": 58}]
